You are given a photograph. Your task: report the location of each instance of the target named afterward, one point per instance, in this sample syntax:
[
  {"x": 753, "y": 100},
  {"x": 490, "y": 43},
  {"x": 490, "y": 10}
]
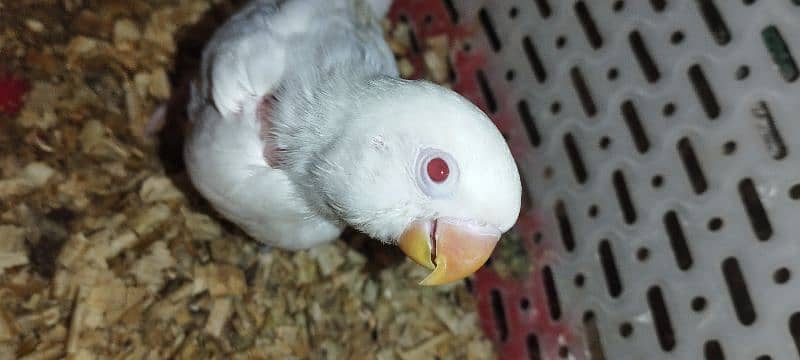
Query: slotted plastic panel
[{"x": 658, "y": 141}]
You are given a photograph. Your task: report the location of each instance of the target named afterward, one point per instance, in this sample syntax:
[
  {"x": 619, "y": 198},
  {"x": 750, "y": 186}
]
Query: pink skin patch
[
  {"x": 263, "y": 113},
  {"x": 12, "y": 93}
]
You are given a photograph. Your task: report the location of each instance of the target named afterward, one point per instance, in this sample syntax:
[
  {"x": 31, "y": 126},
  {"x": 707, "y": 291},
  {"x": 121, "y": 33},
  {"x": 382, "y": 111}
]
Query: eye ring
[{"x": 437, "y": 173}]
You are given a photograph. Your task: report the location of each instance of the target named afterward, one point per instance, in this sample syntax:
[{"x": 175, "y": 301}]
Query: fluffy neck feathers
[{"x": 315, "y": 116}]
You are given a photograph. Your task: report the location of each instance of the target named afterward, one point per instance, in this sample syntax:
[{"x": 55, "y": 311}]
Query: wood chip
[
  {"x": 219, "y": 280},
  {"x": 8, "y": 329},
  {"x": 126, "y": 30},
  {"x": 221, "y": 310},
  {"x": 159, "y": 188},
  {"x": 151, "y": 218},
  {"x": 201, "y": 226},
  {"x": 150, "y": 269}
]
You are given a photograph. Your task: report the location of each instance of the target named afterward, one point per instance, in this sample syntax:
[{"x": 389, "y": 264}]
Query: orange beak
[{"x": 452, "y": 249}]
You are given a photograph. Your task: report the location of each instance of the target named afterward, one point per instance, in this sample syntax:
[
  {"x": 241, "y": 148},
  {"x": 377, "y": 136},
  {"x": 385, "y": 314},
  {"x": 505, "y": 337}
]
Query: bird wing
[{"x": 244, "y": 60}]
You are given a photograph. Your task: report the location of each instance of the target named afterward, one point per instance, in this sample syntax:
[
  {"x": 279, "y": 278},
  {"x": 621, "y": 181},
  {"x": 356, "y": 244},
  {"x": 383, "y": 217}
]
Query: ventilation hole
[
  {"x": 624, "y": 197},
  {"x": 677, "y": 240},
  {"x": 488, "y": 95},
  {"x": 716, "y": 25},
  {"x": 643, "y": 254},
  {"x": 715, "y": 224},
  {"x": 589, "y": 26},
  {"x": 704, "y": 93},
  {"x": 534, "y": 60},
  {"x": 428, "y": 19},
  {"x": 467, "y": 47},
  {"x": 552, "y": 294},
  {"x": 412, "y": 37},
  {"x": 563, "y": 352},
  {"x": 451, "y": 73},
  {"x": 618, "y": 6},
  {"x": 658, "y": 5},
  {"x": 578, "y": 166},
  {"x": 626, "y": 330},
  {"x": 534, "y": 351},
  {"x": 526, "y": 201},
  {"x": 529, "y": 122},
  {"x": 635, "y": 126},
  {"x": 561, "y": 41},
  {"x": 755, "y": 210},
  {"x": 548, "y": 172},
  {"x": 657, "y": 181},
  {"x": 699, "y": 304},
  {"x": 766, "y": 357},
  {"x": 644, "y": 58},
  {"x": 742, "y": 72},
  {"x": 555, "y": 107},
  {"x": 740, "y": 296},
  {"x": 593, "y": 336},
  {"x": 692, "y": 166},
  {"x": 564, "y": 226},
  {"x": 677, "y": 37},
  {"x": 451, "y": 9},
  {"x": 593, "y": 211},
  {"x": 669, "y": 109},
  {"x": 794, "y": 192},
  {"x": 779, "y": 51},
  {"x": 782, "y": 276},
  {"x": 605, "y": 142},
  {"x": 579, "y": 280},
  {"x": 613, "y": 281},
  {"x": 544, "y": 8},
  {"x": 713, "y": 350},
  {"x": 664, "y": 330},
  {"x": 513, "y": 12},
  {"x": 499, "y": 315},
  {"x": 510, "y": 75},
  {"x": 613, "y": 74},
  {"x": 766, "y": 126},
  {"x": 537, "y": 238},
  {"x": 794, "y": 329},
  {"x": 583, "y": 92},
  {"x": 524, "y": 304},
  {"x": 488, "y": 27},
  {"x": 729, "y": 147}
]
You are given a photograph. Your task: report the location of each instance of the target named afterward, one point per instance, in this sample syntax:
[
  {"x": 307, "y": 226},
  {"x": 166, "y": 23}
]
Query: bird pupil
[{"x": 438, "y": 170}]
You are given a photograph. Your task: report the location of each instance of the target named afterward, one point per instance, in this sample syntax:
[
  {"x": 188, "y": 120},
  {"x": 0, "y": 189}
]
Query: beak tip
[{"x": 466, "y": 248}]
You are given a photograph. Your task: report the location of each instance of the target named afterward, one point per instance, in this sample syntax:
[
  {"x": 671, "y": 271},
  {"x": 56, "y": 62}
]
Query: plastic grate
[{"x": 658, "y": 146}]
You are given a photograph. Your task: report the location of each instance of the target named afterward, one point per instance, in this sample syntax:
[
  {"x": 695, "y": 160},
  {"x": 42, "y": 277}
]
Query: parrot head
[{"x": 423, "y": 168}]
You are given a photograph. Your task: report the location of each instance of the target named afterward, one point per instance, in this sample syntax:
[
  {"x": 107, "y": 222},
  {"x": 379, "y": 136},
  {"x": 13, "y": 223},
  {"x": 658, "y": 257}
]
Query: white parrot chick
[{"x": 301, "y": 126}]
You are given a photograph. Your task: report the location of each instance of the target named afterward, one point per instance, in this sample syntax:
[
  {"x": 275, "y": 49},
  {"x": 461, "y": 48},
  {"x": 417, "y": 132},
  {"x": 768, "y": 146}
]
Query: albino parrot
[{"x": 300, "y": 126}]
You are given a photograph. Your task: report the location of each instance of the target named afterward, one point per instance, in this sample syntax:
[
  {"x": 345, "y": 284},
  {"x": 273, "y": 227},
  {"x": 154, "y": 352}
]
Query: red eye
[{"x": 438, "y": 170}]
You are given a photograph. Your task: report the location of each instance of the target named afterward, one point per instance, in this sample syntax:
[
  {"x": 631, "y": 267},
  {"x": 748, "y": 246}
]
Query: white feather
[{"x": 349, "y": 129}]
